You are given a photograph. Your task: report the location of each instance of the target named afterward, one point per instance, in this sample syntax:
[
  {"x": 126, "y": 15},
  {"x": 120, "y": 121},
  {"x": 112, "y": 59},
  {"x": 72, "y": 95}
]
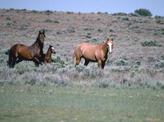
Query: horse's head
[
  {"x": 52, "y": 49},
  {"x": 109, "y": 42},
  {"x": 41, "y": 36}
]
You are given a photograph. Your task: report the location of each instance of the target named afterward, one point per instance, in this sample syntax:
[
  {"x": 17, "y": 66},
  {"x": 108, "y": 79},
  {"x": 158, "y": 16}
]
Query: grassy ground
[
  {"x": 130, "y": 88},
  {"x": 64, "y": 104}
]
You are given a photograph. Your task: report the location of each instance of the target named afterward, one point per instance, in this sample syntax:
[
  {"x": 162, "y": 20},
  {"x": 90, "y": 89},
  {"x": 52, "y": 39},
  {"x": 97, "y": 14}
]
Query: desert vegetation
[
  {"x": 143, "y": 12},
  {"x": 136, "y": 57},
  {"x": 132, "y": 78}
]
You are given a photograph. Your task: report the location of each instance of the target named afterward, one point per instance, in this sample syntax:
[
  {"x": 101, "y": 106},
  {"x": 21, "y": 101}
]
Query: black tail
[
  {"x": 11, "y": 61},
  {"x": 7, "y": 52}
]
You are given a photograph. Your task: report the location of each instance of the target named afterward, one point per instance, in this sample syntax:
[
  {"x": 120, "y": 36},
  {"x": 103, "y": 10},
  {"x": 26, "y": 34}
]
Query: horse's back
[{"x": 21, "y": 50}]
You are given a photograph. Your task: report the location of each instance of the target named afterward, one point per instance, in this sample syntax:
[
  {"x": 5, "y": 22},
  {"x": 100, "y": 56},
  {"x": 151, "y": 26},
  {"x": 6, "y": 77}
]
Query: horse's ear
[
  {"x": 43, "y": 31},
  {"x": 111, "y": 39}
]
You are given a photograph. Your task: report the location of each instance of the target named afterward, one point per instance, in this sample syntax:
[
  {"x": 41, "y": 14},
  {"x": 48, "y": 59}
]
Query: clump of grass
[
  {"x": 121, "y": 62},
  {"x": 59, "y": 61},
  {"x": 94, "y": 40},
  {"x": 125, "y": 19},
  {"x": 159, "y": 19},
  {"x": 69, "y": 12},
  {"x": 88, "y": 29},
  {"x": 100, "y": 30},
  {"x": 160, "y": 85},
  {"x": 48, "y": 12},
  {"x": 71, "y": 30},
  {"x": 51, "y": 21},
  {"x": 103, "y": 84},
  {"x": 150, "y": 43},
  {"x": 88, "y": 35},
  {"x": 159, "y": 64},
  {"x": 8, "y": 18},
  {"x": 120, "y": 14},
  {"x": 133, "y": 14},
  {"x": 99, "y": 12},
  {"x": 159, "y": 31},
  {"x": 34, "y": 11}
]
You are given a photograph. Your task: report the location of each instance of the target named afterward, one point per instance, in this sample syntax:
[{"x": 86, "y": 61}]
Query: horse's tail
[
  {"x": 11, "y": 59},
  {"x": 9, "y": 62},
  {"x": 74, "y": 58}
]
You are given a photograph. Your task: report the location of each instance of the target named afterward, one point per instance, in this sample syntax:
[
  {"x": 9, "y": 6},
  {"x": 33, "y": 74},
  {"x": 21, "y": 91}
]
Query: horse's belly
[
  {"x": 90, "y": 57},
  {"x": 88, "y": 54},
  {"x": 25, "y": 55}
]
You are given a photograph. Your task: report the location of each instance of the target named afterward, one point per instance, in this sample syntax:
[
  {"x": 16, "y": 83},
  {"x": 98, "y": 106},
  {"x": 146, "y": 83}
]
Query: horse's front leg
[
  {"x": 103, "y": 64},
  {"x": 41, "y": 59},
  {"x": 36, "y": 61},
  {"x": 99, "y": 63}
]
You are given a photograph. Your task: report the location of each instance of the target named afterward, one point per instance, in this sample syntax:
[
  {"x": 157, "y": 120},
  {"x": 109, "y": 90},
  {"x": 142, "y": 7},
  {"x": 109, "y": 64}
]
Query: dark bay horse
[
  {"x": 93, "y": 52},
  {"x": 20, "y": 52},
  {"x": 47, "y": 57}
]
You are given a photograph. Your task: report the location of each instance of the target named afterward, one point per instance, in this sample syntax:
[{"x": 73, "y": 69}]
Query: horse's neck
[
  {"x": 38, "y": 44},
  {"x": 105, "y": 48}
]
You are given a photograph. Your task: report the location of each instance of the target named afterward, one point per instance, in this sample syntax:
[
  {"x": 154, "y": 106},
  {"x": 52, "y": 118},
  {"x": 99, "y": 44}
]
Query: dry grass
[{"x": 130, "y": 64}]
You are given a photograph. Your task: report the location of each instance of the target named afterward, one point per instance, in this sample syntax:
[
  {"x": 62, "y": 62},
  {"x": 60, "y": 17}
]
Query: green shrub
[
  {"x": 100, "y": 30},
  {"x": 150, "y": 43},
  {"x": 8, "y": 18},
  {"x": 159, "y": 64},
  {"x": 59, "y": 61},
  {"x": 121, "y": 62},
  {"x": 99, "y": 12},
  {"x": 69, "y": 12},
  {"x": 120, "y": 14},
  {"x": 159, "y": 31},
  {"x": 159, "y": 19},
  {"x": 143, "y": 12},
  {"x": 71, "y": 30},
  {"x": 51, "y": 21},
  {"x": 133, "y": 14},
  {"x": 34, "y": 11},
  {"x": 48, "y": 12},
  {"x": 125, "y": 18}
]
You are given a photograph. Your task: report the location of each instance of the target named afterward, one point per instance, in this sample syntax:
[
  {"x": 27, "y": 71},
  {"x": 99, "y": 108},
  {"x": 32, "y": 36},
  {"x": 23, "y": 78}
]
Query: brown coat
[{"x": 92, "y": 53}]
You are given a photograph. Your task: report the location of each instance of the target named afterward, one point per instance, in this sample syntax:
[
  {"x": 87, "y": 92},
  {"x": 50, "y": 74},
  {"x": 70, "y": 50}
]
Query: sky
[{"x": 86, "y": 6}]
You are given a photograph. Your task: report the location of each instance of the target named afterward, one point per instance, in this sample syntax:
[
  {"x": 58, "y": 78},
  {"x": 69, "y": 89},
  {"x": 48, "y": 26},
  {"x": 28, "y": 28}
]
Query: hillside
[{"x": 138, "y": 55}]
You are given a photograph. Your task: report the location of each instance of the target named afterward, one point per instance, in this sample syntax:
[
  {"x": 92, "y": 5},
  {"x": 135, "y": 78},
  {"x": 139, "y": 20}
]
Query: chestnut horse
[
  {"x": 19, "y": 52},
  {"x": 47, "y": 57},
  {"x": 93, "y": 52}
]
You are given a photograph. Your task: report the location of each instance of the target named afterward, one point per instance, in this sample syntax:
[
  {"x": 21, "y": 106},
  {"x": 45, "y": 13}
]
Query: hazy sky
[{"x": 110, "y": 6}]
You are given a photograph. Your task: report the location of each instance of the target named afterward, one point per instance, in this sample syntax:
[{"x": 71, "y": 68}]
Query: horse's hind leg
[{"x": 86, "y": 62}]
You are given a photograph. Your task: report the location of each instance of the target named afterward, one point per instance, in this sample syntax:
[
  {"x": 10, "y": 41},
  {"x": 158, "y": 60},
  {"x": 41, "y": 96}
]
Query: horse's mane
[
  {"x": 38, "y": 44},
  {"x": 38, "y": 41}
]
